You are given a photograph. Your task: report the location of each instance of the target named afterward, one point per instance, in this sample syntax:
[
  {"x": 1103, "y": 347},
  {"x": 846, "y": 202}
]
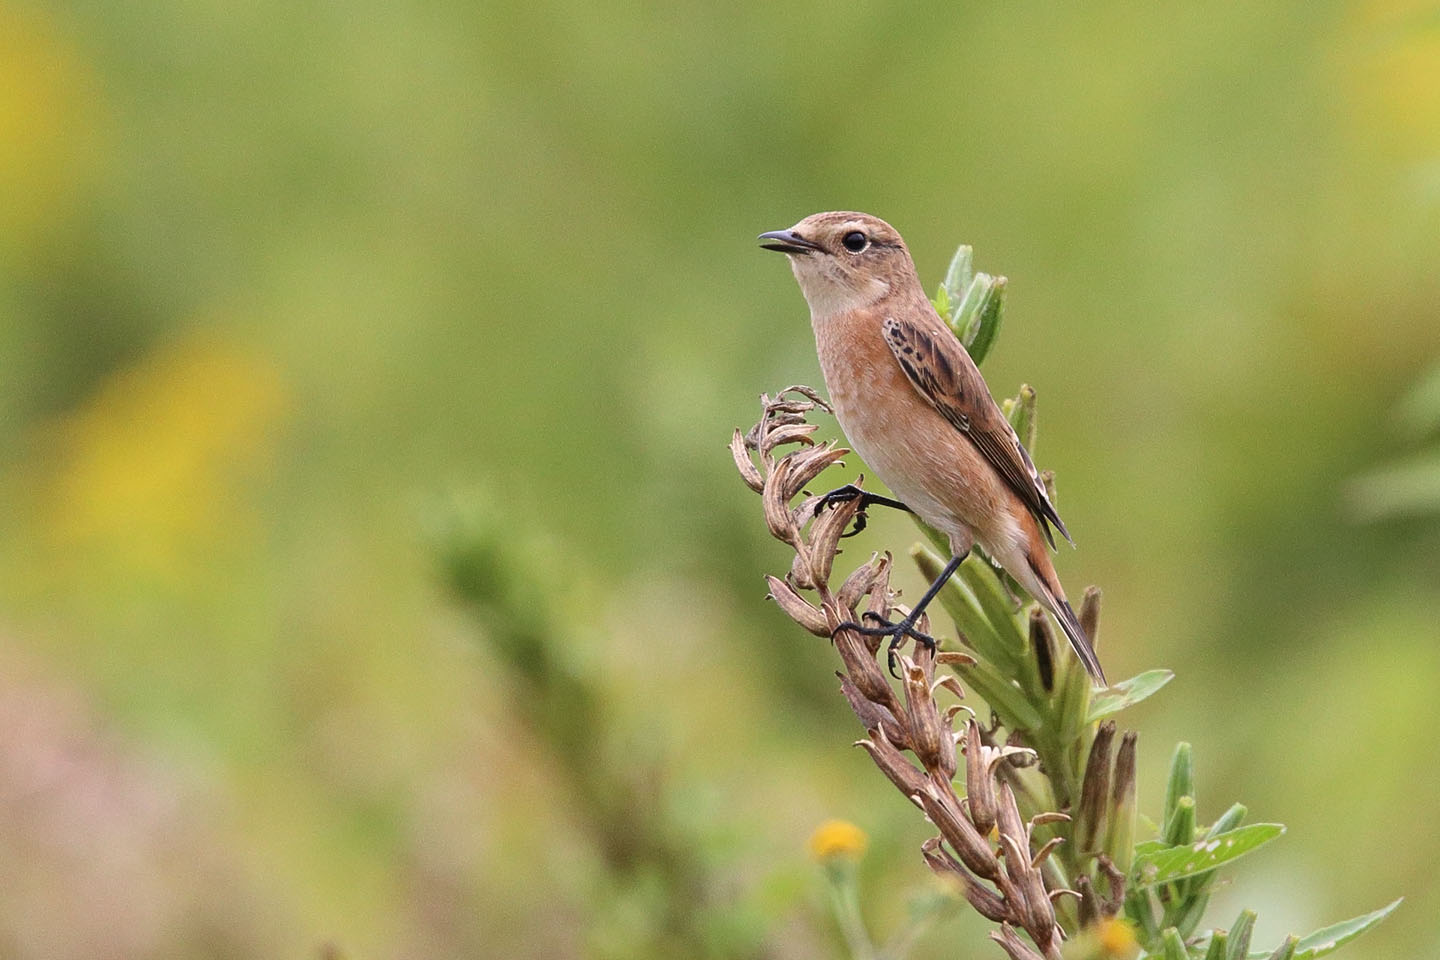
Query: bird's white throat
[{"x": 830, "y": 290}]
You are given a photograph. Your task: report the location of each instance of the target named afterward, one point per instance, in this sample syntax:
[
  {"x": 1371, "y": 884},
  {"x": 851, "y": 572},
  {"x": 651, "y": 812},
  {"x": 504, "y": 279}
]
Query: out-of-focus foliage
[{"x": 272, "y": 275}]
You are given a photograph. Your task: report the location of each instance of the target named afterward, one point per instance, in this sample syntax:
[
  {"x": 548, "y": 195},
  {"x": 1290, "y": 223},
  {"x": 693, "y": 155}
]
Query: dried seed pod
[
  {"x": 744, "y": 464},
  {"x": 1035, "y": 905},
  {"x": 986, "y": 902},
  {"x": 825, "y": 536},
  {"x": 942, "y": 809},
  {"x": 872, "y": 715},
  {"x": 861, "y": 581},
  {"x": 797, "y": 608},
  {"x": 1095, "y": 789},
  {"x": 802, "y": 572},
  {"x": 863, "y": 670},
  {"x": 1089, "y": 903},
  {"x": 1011, "y": 943},
  {"x": 1042, "y": 644},
  {"x": 789, "y": 433},
  {"x": 979, "y": 787},
  {"x": 1007, "y": 818},
  {"x": 806, "y": 465},
  {"x": 777, "y": 509},
  {"x": 930, "y": 736},
  {"x": 901, "y": 772}
]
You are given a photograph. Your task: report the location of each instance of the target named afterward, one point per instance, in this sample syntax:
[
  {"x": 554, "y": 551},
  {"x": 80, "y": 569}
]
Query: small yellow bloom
[
  {"x": 1117, "y": 939},
  {"x": 837, "y": 838}
]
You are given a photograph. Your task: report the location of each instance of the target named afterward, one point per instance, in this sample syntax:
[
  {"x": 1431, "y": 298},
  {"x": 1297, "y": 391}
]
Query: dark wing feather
[{"x": 940, "y": 369}]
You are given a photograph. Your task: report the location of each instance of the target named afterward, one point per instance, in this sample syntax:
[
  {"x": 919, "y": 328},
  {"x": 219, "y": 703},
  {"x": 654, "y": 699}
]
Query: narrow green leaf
[
  {"x": 960, "y": 273},
  {"x": 1172, "y": 945},
  {"x": 984, "y": 328},
  {"x": 1179, "y": 862},
  {"x": 1240, "y": 934},
  {"x": 1330, "y": 938},
  {"x": 1004, "y": 697},
  {"x": 1180, "y": 828},
  {"x": 1286, "y": 950},
  {"x": 1021, "y": 414},
  {"x": 959, "y": 601},
  {"x": 1127, "y": 693},
  {"x": 1181, "y": 782},
  {"x": 1228, "y": 821},
  {"x": 941, "y": 303},
  {"x": 1218, "y": 942},
  {"x": 996, "y": 603},
  {"x": 1146, "y": 849},
  {"x": 1190, "y": 911}
]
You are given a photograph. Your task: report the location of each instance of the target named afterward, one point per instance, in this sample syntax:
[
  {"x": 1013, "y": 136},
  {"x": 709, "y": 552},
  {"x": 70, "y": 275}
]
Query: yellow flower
[
  {"x": 837, "y": 838},
  {"x": 1117, "y": 939}
]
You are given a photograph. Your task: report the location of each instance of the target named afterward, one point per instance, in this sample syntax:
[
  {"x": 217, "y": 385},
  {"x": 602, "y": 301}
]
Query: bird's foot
[
  {"x": 851, "y": 492},
  {"x": 897, "y": 632}
]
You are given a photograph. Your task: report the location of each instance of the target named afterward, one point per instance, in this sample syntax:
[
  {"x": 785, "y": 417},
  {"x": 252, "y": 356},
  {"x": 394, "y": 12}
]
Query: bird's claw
[{"x": 897, "y": 632}]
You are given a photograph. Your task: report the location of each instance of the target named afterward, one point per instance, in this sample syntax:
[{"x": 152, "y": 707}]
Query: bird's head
[{"x": 844, "y": 260}]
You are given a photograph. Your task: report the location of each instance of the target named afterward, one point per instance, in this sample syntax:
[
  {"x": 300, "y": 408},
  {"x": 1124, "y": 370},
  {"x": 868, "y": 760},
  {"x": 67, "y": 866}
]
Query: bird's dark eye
[{"x": 855, "y": 241}]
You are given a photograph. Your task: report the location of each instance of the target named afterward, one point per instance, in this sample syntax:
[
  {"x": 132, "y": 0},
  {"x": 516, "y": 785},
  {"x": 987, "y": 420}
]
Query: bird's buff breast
[{"x": 924, "y": 460}]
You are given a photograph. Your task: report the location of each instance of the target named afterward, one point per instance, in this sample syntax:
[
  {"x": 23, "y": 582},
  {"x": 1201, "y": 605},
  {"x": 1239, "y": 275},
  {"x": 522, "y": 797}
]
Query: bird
[{"x": 913, "y": 404}]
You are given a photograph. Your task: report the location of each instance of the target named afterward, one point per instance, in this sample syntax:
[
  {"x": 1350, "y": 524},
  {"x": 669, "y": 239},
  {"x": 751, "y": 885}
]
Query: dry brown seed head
[
  {"x": 901, "y": 772},
  {"x": 806, "y": 465},
  {"x": 788, "y": 433},
  {"x": 872, "y": 716},
  {"x": 944, "y": 811},
  {"x": 744, "y": 464},
  {"x": 985, "y": 901},
  {"x": 979, "y": 786},
  {"x": 797, "y": 608},
  {"x": 861, "y": 580}
]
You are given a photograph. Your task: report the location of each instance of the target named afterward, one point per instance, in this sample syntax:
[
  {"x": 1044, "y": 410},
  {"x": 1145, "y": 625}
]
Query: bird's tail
[{"x": 1065, "y": 616}]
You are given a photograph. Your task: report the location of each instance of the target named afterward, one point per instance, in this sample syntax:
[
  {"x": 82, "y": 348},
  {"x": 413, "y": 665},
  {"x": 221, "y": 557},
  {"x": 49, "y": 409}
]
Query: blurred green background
[{"x": 274, "y": 277}]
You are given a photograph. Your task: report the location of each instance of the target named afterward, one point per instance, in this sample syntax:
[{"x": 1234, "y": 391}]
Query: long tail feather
[{"x": 1070, "y": 623}]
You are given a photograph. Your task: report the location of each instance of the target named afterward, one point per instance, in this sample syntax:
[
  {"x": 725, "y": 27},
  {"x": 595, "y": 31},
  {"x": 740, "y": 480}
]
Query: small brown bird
[{"x": 913, "y": 404}]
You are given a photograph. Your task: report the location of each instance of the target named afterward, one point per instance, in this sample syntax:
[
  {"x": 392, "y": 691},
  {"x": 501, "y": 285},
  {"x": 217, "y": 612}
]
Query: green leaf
[
  {"x": 1172, "y": 945},
  {"x": 1286, "y": 950},
  {"x": 1177, "y": 863},
  {"x": 1004, "y": 698},
  {"x": 1336, "y": 935},
  {"x": 1217, "y": 948},
  {"x": 960, "y": 273},
  {"x": 985, "y": 584},
  {"x": 941, "y": 303},
  {"x": 1148, "y": 848},
  {"x": 1240, "y": 934},
  {"x": 1127, "y": 693},
  {"x": 986, "y": 298},
  {"x": 1021, "y": 413},
  {"x": 1181, "y": 782},
  {"x": 1229, "y": 820},
  {"x": 1180, "y": 829},
  {"x": 960, "y": 602}
]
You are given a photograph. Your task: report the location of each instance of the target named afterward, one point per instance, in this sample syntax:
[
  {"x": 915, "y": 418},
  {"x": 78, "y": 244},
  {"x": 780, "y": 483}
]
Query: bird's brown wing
[{"x": 940, "y": 369}]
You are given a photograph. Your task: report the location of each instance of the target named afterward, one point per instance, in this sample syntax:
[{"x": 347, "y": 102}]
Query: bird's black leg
[
  {"x": 897, "y": 632},
  {"x": 867, "y": 499}
]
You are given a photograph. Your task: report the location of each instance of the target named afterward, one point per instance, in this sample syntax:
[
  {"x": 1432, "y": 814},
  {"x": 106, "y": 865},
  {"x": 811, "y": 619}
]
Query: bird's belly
[{"x": 926, "y": 462}]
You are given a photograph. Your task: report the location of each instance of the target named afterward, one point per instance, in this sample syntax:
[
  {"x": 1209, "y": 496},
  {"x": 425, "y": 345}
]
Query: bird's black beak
[{"x": 787, "y": 241}]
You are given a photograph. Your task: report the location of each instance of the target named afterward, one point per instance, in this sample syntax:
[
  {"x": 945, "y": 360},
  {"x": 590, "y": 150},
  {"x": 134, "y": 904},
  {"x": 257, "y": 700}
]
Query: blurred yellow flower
[
  {"x": 48, "y": 112},
  {"x": 1392, "y": 49},
  {"x": 1117, "y": 939},
  {"x": 837, "y": 838},
  {"x": 152, "y": 470}
]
